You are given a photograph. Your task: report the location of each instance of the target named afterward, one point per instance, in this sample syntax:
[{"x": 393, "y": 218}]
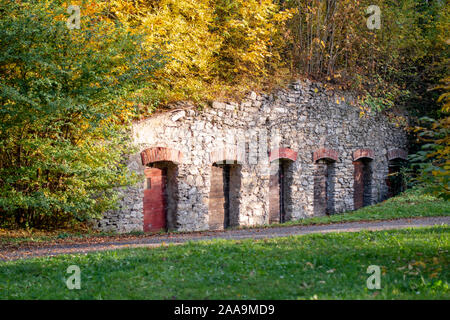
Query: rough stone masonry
[{"x": 295, "y": 153}]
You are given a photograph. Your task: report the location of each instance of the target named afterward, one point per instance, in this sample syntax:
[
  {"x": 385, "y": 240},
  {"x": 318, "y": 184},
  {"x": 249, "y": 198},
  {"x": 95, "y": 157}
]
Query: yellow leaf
[{"x": 433, "y": 275}]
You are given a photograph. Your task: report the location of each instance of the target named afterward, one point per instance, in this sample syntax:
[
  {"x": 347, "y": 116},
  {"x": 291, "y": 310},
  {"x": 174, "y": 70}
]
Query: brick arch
[
  {"x": 363, "y": 153},
  {"x": 282, "y": 153},
  {"x": 325, "y": 153},
  {"x": 397, "y": 154},
  {"x": 226, "y": 154},
  {"x": 156, "y": 154}
]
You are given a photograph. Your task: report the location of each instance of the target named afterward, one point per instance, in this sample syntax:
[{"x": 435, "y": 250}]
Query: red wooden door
[{"x": 154, "y": 202}]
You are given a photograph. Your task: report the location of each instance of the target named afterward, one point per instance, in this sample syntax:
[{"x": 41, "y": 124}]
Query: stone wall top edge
[{"x": 315, "y": 90}]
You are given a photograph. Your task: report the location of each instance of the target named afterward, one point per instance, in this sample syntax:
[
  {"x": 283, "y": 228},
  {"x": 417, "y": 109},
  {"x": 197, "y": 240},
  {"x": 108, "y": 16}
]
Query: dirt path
[{"x": 255, "y": 233}]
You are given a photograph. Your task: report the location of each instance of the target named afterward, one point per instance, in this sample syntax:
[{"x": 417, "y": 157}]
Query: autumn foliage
[
  {"x": 62, "y": 134},
  {"x": 215, "y": 46},
  {"x": 221, "y": 47}
]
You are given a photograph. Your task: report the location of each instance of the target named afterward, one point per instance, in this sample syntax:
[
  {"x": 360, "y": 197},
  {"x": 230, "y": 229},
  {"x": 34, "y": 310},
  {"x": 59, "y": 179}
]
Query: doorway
[
  {"x": 279, "y": 191},
  {"x": 324, "y": 187},
  {"x": 224, "y": 196},
  {"x": 395, "y": 179},
  {"x": 362, "y": 185},
  {"x": 160, "y": 197}
]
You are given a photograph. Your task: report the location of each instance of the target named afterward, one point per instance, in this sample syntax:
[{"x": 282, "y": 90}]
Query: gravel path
[{"x": 254, "y": 233}]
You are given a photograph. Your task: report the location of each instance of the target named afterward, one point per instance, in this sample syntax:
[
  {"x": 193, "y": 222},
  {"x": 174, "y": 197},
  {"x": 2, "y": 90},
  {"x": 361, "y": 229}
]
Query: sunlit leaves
[{"x": 214, "y": 45}]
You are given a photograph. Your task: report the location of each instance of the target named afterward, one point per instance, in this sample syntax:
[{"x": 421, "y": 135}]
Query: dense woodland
[{"x": 67, "y": 95}]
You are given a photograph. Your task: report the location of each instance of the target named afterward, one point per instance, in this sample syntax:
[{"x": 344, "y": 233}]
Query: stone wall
[{"x": 305, "y": 124}]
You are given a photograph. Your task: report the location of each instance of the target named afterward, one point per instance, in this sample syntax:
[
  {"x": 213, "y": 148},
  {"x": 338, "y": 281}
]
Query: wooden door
[
  {"x": 358, "y": 185},
  {"x": 320, "y": 189},
  {"x": 282, "y": 190},
  {"x": 219, "y": 197},
  {"x": 226, "y": 194},
  {"x": 154, "y": 201},
  {"x": 274, "y": 197},
  {"x": 216, "y": 199}
]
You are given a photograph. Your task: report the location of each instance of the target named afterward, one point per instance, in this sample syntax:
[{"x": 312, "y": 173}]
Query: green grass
[
  {"x": 414, "y": 264},
  {"x": 410, "y": 204}
]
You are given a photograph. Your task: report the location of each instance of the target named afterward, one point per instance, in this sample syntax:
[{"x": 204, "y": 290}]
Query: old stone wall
[{"x": 306, "y": 124}]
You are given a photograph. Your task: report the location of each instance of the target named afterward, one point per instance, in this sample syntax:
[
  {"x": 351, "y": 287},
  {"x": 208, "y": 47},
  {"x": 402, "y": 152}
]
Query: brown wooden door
[
  {"x": 274, "y": 198},
  {"x": 154, "y": 201},
  {"x": 320, "y": 189},
  {"x": 277, "y": 195},
  {"x": 282, "y": 191},
  {"x": 358, "y": 185},
  {"x": 217, "y": 199}
]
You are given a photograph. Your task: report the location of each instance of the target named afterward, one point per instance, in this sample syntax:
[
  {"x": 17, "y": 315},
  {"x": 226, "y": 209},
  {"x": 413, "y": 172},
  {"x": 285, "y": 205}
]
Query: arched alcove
[
  {"x": 397, "y": 159},
  {"x": 224, "y": 194},
  {"x": 280, "y": 184},
  {"x": 324, "y": 181},
  {"x": 362, "y": 185},
  {"x": 161, "y": 188}
]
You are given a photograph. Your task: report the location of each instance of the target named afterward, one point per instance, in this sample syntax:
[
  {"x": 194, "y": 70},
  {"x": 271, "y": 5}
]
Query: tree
[
  {"x": 215, "y": 46},
  {"x": 63, "y": 110},
  {"x": 432, "y": 161}
]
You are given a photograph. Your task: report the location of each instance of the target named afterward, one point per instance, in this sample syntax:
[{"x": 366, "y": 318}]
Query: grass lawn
[
  {"x": 414, "y": 264},
  {"x": 411, "y": 204}
]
